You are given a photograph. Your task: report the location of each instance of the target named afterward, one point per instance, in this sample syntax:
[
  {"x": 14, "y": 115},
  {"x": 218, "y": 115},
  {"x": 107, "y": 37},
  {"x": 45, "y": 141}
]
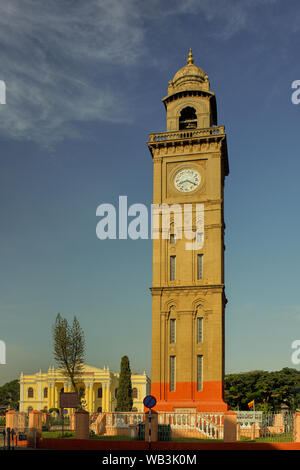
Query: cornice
[{"x": 184, "y": 289}]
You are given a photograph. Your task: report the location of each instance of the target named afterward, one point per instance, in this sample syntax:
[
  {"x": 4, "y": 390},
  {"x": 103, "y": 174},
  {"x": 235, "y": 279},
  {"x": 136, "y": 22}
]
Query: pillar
[
  {"x": 230, "y": 422},
  {"x": 252, "y": 434},
  {"x": 90, "y": 397},
  {"x": 93, "y": 398},
  {"x": 154, "y": 426},
  {"x": 108, "y": 401},
  {"x": 103, "y": 403},
  {"x": 297, "y": 427},
  {"x": 22, "y": 392},
  {"x": 82, "y": 424},
  {"x": 238, "y": 432},
  {"x": 10, "y": 419},
  {"x": 34, "y": 427}
]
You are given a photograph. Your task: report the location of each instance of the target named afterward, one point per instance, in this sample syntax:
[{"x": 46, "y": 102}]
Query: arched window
[
  {"x": 46, "y": 392},
  {"x": 30, "y": 392},
  {"x": 188, "y": 118},
  {"x": 100, "y": 392},
  {"x": 134, "y": 393}
]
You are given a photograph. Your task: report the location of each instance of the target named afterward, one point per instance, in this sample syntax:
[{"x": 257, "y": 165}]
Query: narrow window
[
  {"x": 172, "y": 239},
  {"x": 172, "y": 330},
  {"x": 134, "y": 393},
  {"x": 172, "y": 373},
  {"x": 100, "y": 392},
  {"x": 172, "y": 267},
  {"x": 199, "y": 372},
  {"x": 30, "y": 392},
  {"x": 199, "y": 267},
  {"x": 199, "y": 237},
  {"x": 45, "y": 392},
  {"x": 199, "y": 330}
]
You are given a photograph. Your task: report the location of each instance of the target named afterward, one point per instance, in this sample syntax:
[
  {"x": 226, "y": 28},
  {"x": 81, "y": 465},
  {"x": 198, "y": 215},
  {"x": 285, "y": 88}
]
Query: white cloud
[
  {"x": 52, "y": 56},
  {"x": 58, "y": 56},
  {"x": 232, "y": 16}
]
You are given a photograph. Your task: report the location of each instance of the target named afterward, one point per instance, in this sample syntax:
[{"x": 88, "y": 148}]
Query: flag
[{"x": 251, "y": 403}]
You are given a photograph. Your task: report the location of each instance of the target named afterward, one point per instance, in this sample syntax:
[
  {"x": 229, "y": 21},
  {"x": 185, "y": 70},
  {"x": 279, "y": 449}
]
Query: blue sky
[{"x": 84, "y": 87}]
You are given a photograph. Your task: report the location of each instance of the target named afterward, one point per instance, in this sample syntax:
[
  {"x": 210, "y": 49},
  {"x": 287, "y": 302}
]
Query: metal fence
[
  {"x": 277, "y": 427},
  {"x": 266, "y": 426},
  {"x": 11, "y": 439}
]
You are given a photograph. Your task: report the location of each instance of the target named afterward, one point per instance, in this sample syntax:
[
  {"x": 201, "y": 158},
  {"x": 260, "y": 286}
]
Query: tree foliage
[
  {"x": 10, "y": 394},
  {"x": 124, "y": 393},
  {"x": 269, "y": 390},
  {"x": 69, "y": 349}
]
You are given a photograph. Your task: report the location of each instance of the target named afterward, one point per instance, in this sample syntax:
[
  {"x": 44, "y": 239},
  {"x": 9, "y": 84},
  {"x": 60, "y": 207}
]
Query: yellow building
[
  {"x": 188, "y": 292},
  {"x": 41, "y": 391}
]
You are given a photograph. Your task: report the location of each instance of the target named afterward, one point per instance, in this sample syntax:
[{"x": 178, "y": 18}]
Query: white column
[
  {"x": 40, "y": 404},
  {"x": 108, "y": 396},
  {"x": 21, "y": 405},
  {"x": 103, "y": 401}
]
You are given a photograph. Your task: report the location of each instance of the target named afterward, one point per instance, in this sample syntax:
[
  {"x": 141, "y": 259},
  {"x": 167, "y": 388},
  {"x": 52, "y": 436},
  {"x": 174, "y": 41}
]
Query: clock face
[{"x": 187, "y": 180}]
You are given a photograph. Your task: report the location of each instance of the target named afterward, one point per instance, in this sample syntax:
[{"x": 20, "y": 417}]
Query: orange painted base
[{"x": 210, "y": 398}]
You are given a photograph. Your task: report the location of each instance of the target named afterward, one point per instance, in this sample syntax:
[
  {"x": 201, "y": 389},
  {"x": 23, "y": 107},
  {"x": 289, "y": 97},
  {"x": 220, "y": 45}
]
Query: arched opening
[
  {"x": 46, "y": 392},
  {"x": 30, "y": 392},
  {"x": 188, "y": 118}
]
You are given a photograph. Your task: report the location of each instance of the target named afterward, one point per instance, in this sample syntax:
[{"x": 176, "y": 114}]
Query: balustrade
[{"x": 186, "y": 134}]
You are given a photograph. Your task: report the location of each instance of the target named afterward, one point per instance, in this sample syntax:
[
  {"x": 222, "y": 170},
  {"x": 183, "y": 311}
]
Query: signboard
[
  {"x": 149, "y": 401},
  {"x": 247, "y": 418},
  {"x": 68, "y": 400}
]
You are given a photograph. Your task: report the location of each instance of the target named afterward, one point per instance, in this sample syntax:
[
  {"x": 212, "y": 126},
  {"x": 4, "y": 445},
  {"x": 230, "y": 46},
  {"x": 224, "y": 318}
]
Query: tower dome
[
  {"x": 190, "y": 76},
  {"x": 190, "y": 103}
]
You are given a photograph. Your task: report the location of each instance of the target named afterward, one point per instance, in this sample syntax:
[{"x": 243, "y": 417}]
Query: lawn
[{"x": 71, "y": 435}]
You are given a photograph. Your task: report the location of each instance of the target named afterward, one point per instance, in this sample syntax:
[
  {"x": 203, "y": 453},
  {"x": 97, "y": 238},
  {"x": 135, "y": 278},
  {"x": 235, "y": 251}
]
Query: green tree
[
  {"x": 124, "y": 393},
  {"x": 269, "y": 390},
  {"x": 10, "y": 394},
  {"x": 69, "y": 349}
]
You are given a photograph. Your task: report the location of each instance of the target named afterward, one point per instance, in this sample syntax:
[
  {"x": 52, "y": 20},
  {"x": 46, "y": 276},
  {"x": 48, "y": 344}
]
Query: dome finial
[{"x": 190, "y": 59}]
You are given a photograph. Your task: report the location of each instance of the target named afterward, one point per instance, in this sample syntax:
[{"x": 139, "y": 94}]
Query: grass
[
  {"x": 71, "y": 435},
  {"x": 288, "y": 437},
  {"x": 112, "y": 438},
  {"x": 58, "y": 434}
]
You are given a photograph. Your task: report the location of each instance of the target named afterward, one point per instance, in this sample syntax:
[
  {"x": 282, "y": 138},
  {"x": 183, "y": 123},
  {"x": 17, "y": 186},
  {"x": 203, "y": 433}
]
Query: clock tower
[{"x": 188, "y": 294}]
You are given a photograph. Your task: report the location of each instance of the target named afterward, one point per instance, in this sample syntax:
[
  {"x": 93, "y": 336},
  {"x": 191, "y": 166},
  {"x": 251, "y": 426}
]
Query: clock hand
[{"x": 188, "y": 181}]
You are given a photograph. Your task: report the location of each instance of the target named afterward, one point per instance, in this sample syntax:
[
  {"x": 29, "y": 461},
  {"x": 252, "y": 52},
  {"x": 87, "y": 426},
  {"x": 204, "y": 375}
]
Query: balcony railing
[{"x": 186, "y": 134}]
